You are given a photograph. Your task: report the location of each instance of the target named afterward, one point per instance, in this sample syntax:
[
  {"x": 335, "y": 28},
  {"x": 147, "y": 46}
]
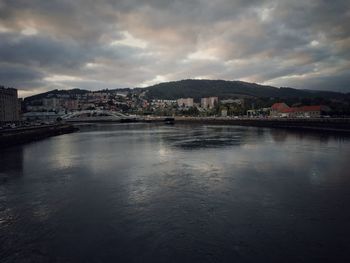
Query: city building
[
  {"x": 278, "y": 108},
  {"x": 163, "y": 103},
  {"x": 283, "y": 110},
  {"x": 71, "y": 104},
  {"x": 51, "y": 103},
  {"x": 185, "y": 102},
  {"x": 209, "y": 103},
  {"x": 9, "y": 110},
  {"x": 204, "y": 103}
]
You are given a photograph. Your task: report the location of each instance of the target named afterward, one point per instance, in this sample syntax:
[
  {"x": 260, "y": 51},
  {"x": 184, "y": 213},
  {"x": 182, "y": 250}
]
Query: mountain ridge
[
  {"x": 225, "y": 89},
  {"x": 198, "y": 88}
]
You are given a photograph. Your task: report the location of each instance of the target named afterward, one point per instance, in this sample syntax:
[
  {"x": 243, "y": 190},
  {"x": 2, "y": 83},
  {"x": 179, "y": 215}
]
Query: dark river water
[{"x": 157, "y": 193}]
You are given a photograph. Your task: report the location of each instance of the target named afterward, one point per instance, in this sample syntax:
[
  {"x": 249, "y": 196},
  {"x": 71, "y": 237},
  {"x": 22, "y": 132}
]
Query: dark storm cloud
[
  {"x": 17, "y": 73},
  {"x": 40, "y": 51},
  {"x": 98, "y": 44}
]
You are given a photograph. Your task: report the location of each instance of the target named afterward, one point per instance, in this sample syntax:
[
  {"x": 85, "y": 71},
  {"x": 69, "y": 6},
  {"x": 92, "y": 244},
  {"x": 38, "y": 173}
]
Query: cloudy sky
[{"x": 126, "y": 43}]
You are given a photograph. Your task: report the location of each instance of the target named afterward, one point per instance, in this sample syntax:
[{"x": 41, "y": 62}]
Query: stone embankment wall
[
  {"x": 28, "y": 134},
  {"x": 321, "y": 124}
]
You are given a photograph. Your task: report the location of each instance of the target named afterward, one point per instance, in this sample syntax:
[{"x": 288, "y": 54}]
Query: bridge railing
[{"x": 94, "y": 113}]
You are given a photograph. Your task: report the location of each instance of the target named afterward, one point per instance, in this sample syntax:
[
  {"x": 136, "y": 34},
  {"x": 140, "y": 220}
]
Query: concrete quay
[
  {"x": 21, "y": 135},
  {"x": 314, "y": 124}
]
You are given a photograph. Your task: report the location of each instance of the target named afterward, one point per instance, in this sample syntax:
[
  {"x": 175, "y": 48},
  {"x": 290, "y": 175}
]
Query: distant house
[{"x": 283, "y": 110}]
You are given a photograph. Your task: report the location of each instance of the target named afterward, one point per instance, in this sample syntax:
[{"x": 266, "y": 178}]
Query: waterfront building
[
  {"x": 283, "y": 110},
  {"x": 209, "y": 103},
  {"x": 278, "y": 108},
  {"x": 185, "y": 102},
  {"x": 9, "y": 110}
]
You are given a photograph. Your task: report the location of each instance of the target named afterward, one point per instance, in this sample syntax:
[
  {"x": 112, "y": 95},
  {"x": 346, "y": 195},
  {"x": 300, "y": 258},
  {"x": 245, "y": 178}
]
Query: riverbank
[
  {"x": 28, "y": 134},
  {"x": 313, "y": 124},
  {"x": 152, "y": 119}
]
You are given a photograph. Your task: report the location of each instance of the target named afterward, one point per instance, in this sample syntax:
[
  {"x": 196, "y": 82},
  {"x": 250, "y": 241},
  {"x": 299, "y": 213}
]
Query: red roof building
[
  {"x": 279, "y": 106},
  {"x": 283, "y": 110}
]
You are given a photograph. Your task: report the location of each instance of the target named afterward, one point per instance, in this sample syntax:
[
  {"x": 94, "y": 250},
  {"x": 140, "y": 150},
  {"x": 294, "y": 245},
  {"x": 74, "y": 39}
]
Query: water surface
[{"x": 183, "y": 193}]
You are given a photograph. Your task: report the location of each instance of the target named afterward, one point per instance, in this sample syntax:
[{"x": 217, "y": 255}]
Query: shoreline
[
  {"x": 29, "y": 134},
  {"x": 23, "y": 135},
  {"x": 313, "y": 124}
]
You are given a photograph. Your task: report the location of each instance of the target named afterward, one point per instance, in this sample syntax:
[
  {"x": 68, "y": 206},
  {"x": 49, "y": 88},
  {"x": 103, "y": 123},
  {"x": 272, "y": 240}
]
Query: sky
[{"x": 88, "y": 44}]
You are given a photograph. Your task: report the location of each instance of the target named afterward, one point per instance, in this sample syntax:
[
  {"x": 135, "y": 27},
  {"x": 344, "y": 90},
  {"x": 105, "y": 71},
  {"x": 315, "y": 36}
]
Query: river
[{"x": 181, "y": 193}]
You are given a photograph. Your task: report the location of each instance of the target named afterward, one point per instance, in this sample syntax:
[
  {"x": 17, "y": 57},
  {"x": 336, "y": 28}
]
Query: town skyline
[
  {"x": 166, "y": 82},
  {"x": 89, "y": 45}
]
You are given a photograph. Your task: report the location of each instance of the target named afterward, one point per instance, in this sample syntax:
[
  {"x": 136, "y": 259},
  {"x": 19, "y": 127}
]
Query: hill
[
  {"x": 55, "y": 92},
  {"x": 197, "y": 89},
  {"x": 225, "y": 89}
]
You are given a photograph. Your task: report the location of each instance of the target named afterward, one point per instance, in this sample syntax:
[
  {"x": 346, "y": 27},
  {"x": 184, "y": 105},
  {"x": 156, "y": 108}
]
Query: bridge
[{"x": 96, "y": 115}]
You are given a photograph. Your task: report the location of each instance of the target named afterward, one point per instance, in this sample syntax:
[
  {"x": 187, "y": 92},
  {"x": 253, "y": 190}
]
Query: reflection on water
[
  {"x": 147, "y": 193},
  {"x": 11, "y": 163}
]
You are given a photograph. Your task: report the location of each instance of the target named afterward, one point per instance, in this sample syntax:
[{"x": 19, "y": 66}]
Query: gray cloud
[
  {"x": 42, "y": 52},
  {"x": 18, "y": 74},
  {"x": 126, "y": 43}
]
